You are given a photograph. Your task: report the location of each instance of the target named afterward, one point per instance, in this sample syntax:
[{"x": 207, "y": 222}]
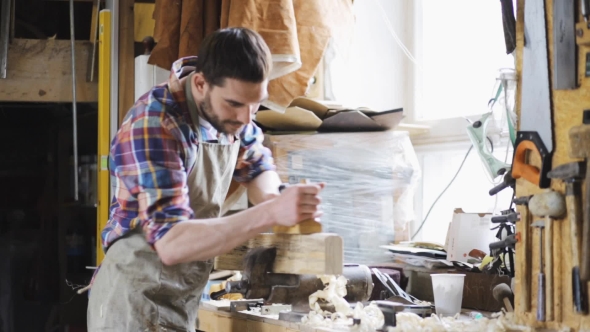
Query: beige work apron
[{"x": 134, "y": 291}]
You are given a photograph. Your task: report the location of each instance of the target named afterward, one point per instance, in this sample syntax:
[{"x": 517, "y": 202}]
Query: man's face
[{"x": 231, "y": 106}]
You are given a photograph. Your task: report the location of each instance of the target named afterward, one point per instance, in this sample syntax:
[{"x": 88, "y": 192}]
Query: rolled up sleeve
[
  {"x": 149, "y": 163},
  {"x": 254, "y": 157}
]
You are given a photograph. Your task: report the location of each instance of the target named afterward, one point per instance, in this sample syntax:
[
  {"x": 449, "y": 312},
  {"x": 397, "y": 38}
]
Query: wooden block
[
  {"x": 319, "y": 253},
  {"x": 304, "y": 227}
]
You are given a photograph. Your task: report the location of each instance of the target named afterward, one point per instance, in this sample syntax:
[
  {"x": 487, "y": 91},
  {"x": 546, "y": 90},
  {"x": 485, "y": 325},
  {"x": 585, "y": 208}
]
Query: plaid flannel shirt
[{"x": 150, "y": 154}]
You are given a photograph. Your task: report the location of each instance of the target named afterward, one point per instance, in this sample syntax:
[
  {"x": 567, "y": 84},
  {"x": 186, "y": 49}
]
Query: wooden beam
[
  {"x": 144, "y": 24},
  {"x": 126, "y": 58},
  {"x": 94, "y": 21},
  {"x": 320, "y": 253},
  {"x": 40, "y": 71}
]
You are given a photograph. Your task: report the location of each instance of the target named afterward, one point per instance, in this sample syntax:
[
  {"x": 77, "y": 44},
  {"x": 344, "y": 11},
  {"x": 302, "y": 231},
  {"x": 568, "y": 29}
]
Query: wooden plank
[
  {"x": 126, "y": 58},
  {"x": 320, "y": 253},
  {"x": 210, "y": 322},
  {"x": 40, "y": 71},
  {"x": 144, "y": 24},
  {"x": 94, "y": 21}
]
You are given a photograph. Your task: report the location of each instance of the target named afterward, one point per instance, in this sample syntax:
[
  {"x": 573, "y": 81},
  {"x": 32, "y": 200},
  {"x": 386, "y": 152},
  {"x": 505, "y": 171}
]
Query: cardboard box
[
  {"x": 468, "y": 231},
  {"x": 304, "y": 114}
]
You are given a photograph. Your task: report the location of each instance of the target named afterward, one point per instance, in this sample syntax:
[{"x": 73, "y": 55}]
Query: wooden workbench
[{"x": 213, "y": 318}]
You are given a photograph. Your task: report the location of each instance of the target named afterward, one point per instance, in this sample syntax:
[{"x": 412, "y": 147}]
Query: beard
[{"x": 227, "y": 127}]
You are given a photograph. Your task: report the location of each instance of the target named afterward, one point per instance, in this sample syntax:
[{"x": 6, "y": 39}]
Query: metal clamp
[{"x": 275, "y": 309}]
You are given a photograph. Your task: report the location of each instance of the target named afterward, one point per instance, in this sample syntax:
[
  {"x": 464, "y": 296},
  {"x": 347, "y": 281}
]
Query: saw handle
[
  {"x": 531, "y": 141},
  {"x": 520, "y": 169}
]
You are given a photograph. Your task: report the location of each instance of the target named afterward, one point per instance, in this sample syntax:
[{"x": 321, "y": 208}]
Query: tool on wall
[
  {"x": 503, "y": 293},
  {"x": 477, "y": 134},
  {"x": 550, "y": 205},
  {"x": 74, "y": 103},
  {"x": 526, "y": 281},
  {"x": 564, "y": 45},
  {"x": 583, "y": 32},
  {"x": 540, "y": 224},
  {"x": 572, "y": 174},
  {"x": 585, "y": 9},
  {"x": 580, "y": 148},
  {"x": 535, "y": 133},
  {"x": 509, "y": 25},
  {"x": 500, "y": 249}
]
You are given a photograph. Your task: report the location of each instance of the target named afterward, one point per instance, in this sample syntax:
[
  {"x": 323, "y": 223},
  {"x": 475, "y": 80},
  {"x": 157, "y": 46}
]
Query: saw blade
[{"x": 535, "y": 113}]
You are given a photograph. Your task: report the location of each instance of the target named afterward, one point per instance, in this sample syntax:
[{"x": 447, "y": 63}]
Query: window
[
  {"x": 460, "y": 48},
  {"x": 440, "y": 61}
]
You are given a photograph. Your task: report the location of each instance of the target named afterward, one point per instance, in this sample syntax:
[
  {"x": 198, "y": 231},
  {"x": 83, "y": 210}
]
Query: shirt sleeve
[
  {"x": 148, "y": 161},
  {"x": 254, "y": 158}
]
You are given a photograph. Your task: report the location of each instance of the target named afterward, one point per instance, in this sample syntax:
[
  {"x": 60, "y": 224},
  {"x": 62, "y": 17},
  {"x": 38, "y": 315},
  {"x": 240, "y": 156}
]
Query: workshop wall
[{"x": 567, "y": 108}]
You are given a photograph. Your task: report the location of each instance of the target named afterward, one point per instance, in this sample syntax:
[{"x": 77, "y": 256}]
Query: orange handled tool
[{"x": 530, "y": 141}]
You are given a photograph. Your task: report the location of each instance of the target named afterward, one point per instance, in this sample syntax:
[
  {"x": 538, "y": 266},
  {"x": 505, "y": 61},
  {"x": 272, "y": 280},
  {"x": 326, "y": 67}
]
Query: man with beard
[{"x": 171, "y": 163}]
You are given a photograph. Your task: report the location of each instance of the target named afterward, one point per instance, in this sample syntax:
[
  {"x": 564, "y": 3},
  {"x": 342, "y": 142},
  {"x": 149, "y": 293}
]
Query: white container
[{"x": 448, "y": 293}]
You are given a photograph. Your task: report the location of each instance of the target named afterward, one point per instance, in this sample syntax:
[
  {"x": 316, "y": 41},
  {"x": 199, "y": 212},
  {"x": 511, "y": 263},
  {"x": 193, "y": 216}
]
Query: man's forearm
[
  {"x": 202, "y": 239},
  {"x": 264, "y": 187}
]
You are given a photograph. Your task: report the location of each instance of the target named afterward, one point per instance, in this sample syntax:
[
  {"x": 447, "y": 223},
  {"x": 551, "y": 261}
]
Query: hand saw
[{"x": 535, "y": 131}]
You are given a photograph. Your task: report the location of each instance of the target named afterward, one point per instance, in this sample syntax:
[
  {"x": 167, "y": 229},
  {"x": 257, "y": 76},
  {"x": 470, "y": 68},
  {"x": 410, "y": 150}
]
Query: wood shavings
[
  {"x": 499, "y": 322},
  {"x": 370, "y": 317},
  {"x": 334, "y": 293}
]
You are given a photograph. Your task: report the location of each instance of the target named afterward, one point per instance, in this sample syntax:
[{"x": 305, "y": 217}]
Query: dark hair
[{"x": 237, "y": 53}]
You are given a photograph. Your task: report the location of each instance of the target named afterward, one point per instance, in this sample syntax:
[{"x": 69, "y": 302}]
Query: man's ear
[{"x": 200, "y": 83}]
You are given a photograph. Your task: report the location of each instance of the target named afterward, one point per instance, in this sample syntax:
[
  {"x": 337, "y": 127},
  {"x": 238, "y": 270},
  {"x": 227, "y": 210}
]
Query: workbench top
[{"x": 215, "y": 316}]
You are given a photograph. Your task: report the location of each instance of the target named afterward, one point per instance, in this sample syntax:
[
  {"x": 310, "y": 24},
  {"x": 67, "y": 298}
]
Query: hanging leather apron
[{"x": 134, "y": 291}]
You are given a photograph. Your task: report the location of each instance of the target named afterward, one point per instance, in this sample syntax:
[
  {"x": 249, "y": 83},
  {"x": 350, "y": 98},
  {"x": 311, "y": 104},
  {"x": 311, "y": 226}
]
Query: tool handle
[
  {"x": 548, "y": 247},
  {"x": 524, "y": 303},
  {"x": 585, "y": 263},
  {"x": 541, "y": 298},
  {"x": 578, "y": 291},
  {"x": 499, "y": 219},
  {"x": 574, "y": 215},
  {"x": 520, "y": 169},
  {"x": 508, "y": 305},
  {"x": 531, "y": 141},
  {"x": 509, "y": 241},
  {"x": 503, "y": 185}
]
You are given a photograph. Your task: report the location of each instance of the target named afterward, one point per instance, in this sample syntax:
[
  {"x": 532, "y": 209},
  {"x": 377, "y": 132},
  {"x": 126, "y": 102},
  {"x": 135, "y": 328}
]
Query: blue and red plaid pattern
[{"x": 149, "y": 158}]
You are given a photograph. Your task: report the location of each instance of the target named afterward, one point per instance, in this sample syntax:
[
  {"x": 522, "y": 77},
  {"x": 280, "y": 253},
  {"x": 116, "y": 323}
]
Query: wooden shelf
[{"x": 40, "y": 71}]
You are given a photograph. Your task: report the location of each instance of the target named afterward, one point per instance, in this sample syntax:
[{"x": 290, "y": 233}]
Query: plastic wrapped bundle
[{"x": 370, "y": 179}]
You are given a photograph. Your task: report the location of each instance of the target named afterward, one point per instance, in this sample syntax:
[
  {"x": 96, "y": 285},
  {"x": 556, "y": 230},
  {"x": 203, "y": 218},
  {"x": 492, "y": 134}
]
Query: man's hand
[{"x": 296, "y": 203}]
